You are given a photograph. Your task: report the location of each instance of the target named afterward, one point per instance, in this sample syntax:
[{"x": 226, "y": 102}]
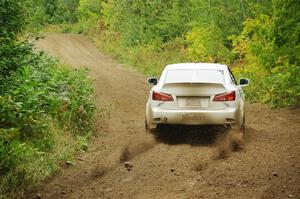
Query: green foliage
[
  {"x": 46, "y": 110},
  {"x": 141, "y": 22},
  {"x": 278, "y": 89},
  {"x": 271, "y": 44},
  {"x": 57, "y": 91},
  {"x": 35, "y": 101},
  {"x": 89, "y": 12},
  {"x": 205, "y": 45},
  {"x": 13, "y": 54},
  {"x": 89, "y": 8},
  {"x": 285, "y": 32},
  {"x": 55, "y": 11},
  {"x": 13, "y": 18},
  {"x": 225, "y": 15}
]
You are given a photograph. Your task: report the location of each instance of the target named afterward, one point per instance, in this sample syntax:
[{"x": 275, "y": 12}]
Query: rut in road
[{"x": 180, "y": 162}]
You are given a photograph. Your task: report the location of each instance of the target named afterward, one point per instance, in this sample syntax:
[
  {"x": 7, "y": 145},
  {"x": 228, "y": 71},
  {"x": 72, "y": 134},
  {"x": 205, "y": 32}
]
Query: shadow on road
[{"x": 193, "y": 135}]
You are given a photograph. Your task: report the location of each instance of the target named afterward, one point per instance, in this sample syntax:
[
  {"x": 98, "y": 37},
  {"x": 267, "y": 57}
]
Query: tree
[{"x": 13, "y": 18}]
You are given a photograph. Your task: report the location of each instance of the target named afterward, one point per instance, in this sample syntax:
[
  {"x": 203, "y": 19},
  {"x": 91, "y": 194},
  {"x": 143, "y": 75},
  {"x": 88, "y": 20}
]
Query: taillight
[
  {"x": 230, "y": 96},
  {"x": 161, "y": 96}
]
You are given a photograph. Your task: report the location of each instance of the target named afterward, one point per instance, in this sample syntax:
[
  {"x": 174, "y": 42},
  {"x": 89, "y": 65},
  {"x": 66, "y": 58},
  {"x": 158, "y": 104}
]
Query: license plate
[
  {"x": 192, "y": 101},
  {"x": 197, "y": 101},
  {"x": 193, "y": 117}
]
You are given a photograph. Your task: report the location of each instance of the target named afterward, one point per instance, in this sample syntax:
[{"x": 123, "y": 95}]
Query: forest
[{"x": 47, "y": 109}]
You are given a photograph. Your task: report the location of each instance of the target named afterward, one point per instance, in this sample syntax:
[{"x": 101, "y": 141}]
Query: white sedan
[{"x": 196, "y": 94}]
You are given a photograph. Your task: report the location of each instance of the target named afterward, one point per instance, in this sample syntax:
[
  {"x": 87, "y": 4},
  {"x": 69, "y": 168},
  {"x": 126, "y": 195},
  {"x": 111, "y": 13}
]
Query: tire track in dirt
[{"x": 180, "y": 162}]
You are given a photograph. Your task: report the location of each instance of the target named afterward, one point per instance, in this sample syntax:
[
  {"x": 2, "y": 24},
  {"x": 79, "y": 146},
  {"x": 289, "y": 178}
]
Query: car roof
[{"x": 203, "y": 66}]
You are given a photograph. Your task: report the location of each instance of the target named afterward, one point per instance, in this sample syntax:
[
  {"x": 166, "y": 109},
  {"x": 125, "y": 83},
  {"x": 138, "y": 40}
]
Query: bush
[
  {"x": 206, "y": 45},
  {"x": 277, "y": 89},
  {"x": 269, "y": 45},
  {"x": 54, "y": 11},
  {"x": 46, "y": 110},
  {"x": 41, "y": 104}
]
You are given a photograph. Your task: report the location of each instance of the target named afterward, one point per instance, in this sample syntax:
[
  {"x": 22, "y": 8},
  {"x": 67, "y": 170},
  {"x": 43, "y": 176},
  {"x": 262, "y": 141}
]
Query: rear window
[{"x": 194, "y": 76}]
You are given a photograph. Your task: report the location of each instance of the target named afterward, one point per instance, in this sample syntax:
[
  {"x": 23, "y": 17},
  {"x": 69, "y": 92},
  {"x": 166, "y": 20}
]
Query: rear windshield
[{"x": 194, "y": 76}]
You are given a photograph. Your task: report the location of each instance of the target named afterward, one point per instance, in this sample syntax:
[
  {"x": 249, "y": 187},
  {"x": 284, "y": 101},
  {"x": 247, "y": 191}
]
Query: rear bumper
[{"x": 194, "y": 117}]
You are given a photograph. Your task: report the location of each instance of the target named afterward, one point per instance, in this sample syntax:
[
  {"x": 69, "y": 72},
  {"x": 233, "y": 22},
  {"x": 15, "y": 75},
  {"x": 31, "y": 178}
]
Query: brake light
[
  {"x": 161, "y": 96},
  {"x": 230, "y": 96}
]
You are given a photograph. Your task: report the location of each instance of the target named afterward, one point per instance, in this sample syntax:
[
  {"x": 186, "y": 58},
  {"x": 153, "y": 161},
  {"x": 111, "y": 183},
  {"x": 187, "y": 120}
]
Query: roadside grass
[
  {"x": 47, "y": 116},
  {"x": 38, "y": 165}
]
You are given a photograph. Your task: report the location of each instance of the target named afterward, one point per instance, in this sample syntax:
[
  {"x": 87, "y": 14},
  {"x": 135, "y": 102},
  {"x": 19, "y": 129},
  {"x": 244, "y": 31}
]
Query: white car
[{"x": 196, "y": 94}]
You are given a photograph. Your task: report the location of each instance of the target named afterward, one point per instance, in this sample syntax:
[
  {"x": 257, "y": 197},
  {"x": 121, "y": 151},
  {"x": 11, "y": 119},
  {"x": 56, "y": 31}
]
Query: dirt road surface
[{"x": 176, "y": 163}]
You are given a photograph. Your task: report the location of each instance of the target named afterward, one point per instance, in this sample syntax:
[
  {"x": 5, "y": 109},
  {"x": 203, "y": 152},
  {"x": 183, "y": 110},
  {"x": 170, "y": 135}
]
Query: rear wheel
[
  {"x": 149, "y": 128},
  {"x": 237, "y": 139},
  {"x": 243, "y": 127},
  {"x": 237, "y": 134},
  {"x": 160, "y": 128},
  {"x": 146, "y": 126}
]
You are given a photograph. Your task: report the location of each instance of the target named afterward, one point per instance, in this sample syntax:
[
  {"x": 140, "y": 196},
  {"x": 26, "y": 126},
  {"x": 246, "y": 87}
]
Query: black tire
[
  {"x": 243, "y": 127},
  {"x": 146, "y": 127}
]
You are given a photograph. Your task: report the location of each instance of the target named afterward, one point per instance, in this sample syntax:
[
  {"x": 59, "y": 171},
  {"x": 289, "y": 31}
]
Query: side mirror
[
  {"x": 244, "y": 82},
  {"x": 152, "y": 81}
]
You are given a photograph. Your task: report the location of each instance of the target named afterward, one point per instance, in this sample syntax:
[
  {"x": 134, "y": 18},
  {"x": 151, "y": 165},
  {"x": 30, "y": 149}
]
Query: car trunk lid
[{"x": 193, "y": 96}]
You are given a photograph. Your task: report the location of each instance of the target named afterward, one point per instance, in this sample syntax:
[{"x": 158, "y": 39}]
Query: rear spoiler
[{"x": 193, "y": 88}]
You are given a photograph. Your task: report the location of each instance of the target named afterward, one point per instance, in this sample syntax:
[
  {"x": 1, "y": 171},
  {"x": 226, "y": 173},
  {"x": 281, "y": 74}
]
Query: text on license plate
[
  {"x": 196, "y": 101},
  {"x": 192, "y": 116}
]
